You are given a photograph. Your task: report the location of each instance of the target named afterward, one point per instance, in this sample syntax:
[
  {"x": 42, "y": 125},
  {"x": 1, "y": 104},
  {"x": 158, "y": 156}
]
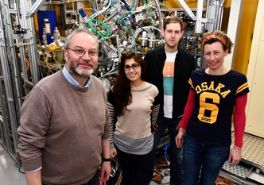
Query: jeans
[
  {"x": 202, "y": 163},
  {"x": 175, "y": 154},
  {"x": 136, "y": 169}
]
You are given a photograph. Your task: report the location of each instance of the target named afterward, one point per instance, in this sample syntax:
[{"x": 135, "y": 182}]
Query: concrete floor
[{"x": 9, "y": 174}]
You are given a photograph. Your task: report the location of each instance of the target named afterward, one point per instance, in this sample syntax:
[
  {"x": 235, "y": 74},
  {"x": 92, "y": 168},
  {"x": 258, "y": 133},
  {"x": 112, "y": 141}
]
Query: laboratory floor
[{"x": 9, "y": 173}]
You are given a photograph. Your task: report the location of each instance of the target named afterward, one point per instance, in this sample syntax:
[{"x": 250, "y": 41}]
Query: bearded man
[{"x": 64, "y": 124}]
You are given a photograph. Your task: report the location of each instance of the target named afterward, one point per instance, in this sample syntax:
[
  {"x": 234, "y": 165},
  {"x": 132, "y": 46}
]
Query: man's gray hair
[{"x": 74, "y": 32}]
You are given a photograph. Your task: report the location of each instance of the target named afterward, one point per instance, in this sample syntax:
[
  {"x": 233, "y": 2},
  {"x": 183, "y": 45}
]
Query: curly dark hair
[{"x": 121, "y": 88}]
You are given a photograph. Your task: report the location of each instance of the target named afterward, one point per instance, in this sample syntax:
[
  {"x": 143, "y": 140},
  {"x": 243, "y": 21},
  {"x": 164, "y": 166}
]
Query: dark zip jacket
[{"x": 184, "y": 65}]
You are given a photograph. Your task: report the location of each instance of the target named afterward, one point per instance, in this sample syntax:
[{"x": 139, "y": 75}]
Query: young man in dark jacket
[{"x": 169, "y": 68}]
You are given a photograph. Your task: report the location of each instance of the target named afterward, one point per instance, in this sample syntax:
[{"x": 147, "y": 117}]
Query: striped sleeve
[
  {"x": 113, "y": 120},
  {"x": 154, "y": 114},
  {"x": 191, "y": 83},
  {"x": 242, "y": 87}
]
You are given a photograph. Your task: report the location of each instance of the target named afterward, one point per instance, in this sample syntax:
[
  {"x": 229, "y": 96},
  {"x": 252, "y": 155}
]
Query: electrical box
[{"x": 47, "y": 24}]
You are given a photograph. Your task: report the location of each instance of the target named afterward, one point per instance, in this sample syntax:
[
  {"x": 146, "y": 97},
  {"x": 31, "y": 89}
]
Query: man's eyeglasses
[
  {"x": 132, "y": 66},
  {"x": 81, "y": 52}
]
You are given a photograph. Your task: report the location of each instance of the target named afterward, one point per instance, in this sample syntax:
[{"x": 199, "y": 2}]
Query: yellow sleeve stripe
[
  {"x": 190, "y": 82},
  {"x": 242, "y": 87}
]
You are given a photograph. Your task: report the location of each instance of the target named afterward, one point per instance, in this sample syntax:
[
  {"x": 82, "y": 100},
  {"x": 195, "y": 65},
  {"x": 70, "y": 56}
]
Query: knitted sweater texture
[{"x": 61, "y": 129}]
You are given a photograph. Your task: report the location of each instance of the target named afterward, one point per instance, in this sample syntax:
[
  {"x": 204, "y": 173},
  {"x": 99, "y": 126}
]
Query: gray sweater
[{"x": 61, "y": 129}]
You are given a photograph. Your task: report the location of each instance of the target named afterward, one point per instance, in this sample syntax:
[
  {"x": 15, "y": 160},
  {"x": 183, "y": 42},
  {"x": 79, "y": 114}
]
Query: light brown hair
[{"x": 172, "y": 19}]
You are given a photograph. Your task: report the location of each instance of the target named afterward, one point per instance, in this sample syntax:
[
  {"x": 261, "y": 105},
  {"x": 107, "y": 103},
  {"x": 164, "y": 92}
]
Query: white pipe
[
  {"x": 34, "y": 8},
  {"x": 102, "y": 10},
  {"x": 233, "y": 23},
  {"x": 187, "y": 9},
  {"x": 199, "y": 26}
]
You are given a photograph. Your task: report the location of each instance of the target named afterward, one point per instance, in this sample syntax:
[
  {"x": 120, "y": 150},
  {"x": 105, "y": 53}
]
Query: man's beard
[
  {"x": 77, "y": 71},
  {"x": 81, "y": 72}
]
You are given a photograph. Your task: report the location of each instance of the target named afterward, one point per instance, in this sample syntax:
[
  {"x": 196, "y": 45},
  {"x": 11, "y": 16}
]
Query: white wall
[{"x": 255, "y": 109}]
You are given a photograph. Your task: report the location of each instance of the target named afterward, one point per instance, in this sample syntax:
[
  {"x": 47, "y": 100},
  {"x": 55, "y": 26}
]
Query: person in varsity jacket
[{"x": 216, "y": 96}]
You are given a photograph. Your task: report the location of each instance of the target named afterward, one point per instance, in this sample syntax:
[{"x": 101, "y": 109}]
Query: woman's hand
[
  {"x": 113, "y": 152},
  {"x": 179, "y": 138},
  {"x": 235, "y": 155},
  {"x": 105, "y": 171}
]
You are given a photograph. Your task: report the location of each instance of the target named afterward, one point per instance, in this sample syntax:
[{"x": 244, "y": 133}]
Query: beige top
[{"x": 135, "y": 123}]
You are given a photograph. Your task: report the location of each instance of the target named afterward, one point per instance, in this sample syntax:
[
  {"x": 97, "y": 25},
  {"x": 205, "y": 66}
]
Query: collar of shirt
[
  {"x": 174, "y": 53},
  {"x": 72, "y": 81}
]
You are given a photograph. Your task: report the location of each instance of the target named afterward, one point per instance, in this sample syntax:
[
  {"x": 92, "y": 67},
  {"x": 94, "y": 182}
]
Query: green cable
[{"x": 103, "y": 30}]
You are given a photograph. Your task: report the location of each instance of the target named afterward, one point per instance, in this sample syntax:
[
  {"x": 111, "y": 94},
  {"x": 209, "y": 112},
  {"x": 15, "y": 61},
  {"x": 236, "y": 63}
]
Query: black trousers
[
  {"x": 175, "y": 154},
  {"x": 136, "y": 169}
]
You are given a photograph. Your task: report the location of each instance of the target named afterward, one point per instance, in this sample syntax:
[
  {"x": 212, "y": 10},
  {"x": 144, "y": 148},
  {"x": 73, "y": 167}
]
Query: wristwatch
[{"x": 106, "y": 159}]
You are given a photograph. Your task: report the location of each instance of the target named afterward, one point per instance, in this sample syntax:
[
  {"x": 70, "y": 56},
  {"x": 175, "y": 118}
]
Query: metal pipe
[
  {"x": 102, "y": 10},
  {"x": 214, "y": 15},
  {"x": 9, "y": 95},
  {"x": 28, "y": 23},
  {"x": 219, "y": 14},
  {"x": 159, "y": 13},
  {"x": 5, "y": 130},
  {"x": 199, "y": 13},
  {"x": 34, "y": 59},
  {"x": 187, "y": 9},
  {"x": 4, "y": 125},
  {"x": 141, "y": 29},
  {"x": 12, "y": 57},
  {"x": 34, "y": 8},
  {"x": 111, "y": 16},
  {"x": 12, "y": 92}
]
